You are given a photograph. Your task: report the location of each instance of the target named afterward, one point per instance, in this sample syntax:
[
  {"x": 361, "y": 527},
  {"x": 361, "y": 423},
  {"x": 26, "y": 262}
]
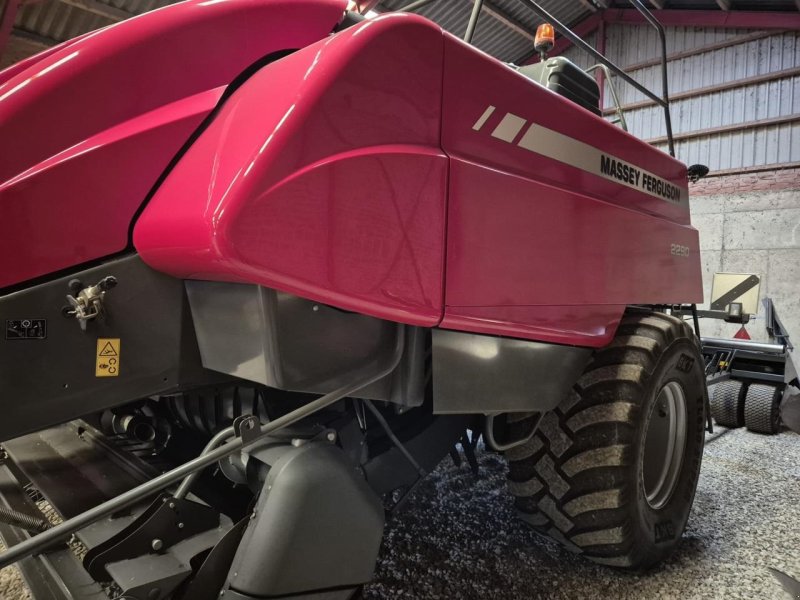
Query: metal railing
[{"x": 662, "y": 100}]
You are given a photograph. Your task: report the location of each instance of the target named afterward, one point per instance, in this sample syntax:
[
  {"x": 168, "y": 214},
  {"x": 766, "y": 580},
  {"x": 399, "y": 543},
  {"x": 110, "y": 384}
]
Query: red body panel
[
  {"x": 388, "y": 169},
  {"x": 87, "y": 128},
  {"x": 360, "y": 172},
  {"x": 540, "y": 248},
  {"x": 322, "y": 176}
]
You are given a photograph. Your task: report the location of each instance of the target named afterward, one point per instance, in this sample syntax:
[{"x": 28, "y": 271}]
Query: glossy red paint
[
  {"x": 333, "y": 174},
  {"x": 87, "y": 128},
  {"x": 383, "y": 170},
  {"x": 323, "y": 176},
  {"x": 539, "y": 248}
]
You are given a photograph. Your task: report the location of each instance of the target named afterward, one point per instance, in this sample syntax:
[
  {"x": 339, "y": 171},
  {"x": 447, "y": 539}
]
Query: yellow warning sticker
[{"x": 107, "y": 364}]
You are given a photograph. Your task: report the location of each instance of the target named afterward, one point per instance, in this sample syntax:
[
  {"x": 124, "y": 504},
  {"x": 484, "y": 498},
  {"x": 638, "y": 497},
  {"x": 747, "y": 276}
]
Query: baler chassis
[{"x": 324, "y": 396}]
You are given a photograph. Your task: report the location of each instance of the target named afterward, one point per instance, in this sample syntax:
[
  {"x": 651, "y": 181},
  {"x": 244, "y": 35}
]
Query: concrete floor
[{"x": 458, "y": 538}]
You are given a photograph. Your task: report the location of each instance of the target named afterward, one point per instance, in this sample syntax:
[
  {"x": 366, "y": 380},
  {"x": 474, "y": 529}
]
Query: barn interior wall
[{"x": 750, "y": 223}]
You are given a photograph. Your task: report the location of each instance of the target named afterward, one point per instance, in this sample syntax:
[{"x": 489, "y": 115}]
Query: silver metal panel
[
  {"x": 630, "y": 44},
  {"x": 475, "y": 373},
  {"x": 766, "y": 144},
  {"x": 746, "y": 345},
  {"x": 294, "y": 344}
]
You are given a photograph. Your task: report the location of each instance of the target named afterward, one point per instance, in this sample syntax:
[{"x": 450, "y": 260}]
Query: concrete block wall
[{"x": 750, "y": 223}]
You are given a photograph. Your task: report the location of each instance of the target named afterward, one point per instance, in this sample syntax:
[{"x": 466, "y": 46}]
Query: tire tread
[{"x": 579, "y": 456}]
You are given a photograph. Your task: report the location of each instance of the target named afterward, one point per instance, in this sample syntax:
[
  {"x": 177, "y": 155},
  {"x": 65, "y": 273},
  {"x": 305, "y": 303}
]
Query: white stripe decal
[
  {"x": 483, "y": 118},
  {"x": 575, "y": 153},
  {"x": 509, "y": 127}
]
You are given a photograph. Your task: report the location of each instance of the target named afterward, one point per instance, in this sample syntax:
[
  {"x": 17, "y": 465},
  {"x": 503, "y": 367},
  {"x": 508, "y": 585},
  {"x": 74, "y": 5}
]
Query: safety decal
[
  {"x": 580, "y": 155},
  {"x": 107, "y": 364},
  {"x": 26, "y": 329}
]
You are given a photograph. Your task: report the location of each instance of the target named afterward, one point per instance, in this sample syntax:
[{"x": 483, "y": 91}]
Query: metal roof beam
[
  {"x": 593, "y": 5},
  {"x": 659, "y": 4},
  {"x": 735, "y": 127},
  {"x": 724, "y": 4},
  {"x": 100, "y": 8},
  {"x": 726, "y": 43},
  {"x": 712, "y": 89},
  {"x": 508, "y": 20},
  {"x": 732, "y": 19},
  {"x": 21, "y": 46},
  {"x": 7, "y": 19}
]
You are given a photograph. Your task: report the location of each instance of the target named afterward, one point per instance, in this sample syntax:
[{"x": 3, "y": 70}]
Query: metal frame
[
  {"x": 64, "y": 530},
  {"x": 663, "y": 101},
  {"x": 55, "y": 575},
  {"x": 579, "y": 42},
  {"x": 617, "y": 106}
]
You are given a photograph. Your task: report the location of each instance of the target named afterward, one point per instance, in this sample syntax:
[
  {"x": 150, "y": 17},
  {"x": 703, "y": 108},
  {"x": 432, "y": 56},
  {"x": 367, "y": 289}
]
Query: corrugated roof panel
[
  {"x": 58, "y": 21},
  {"x": 504, "y": 43},
  {"x": 496, "y": 39},
  {"x": 138, "y": 7},
  {"x": 55, "y": 20}
]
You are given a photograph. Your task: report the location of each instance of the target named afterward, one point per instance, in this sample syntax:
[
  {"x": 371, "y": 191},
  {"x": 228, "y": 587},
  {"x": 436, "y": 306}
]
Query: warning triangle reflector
[{"x": 742, "y": 334}]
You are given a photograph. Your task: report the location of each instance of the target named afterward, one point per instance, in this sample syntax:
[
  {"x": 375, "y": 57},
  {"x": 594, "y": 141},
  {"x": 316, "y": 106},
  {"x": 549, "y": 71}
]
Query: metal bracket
[
  {"x": 246, "y": 427},
  {"x": 211, "y": 575},
  {"x": 488, "y": 434},
  {"x": 87, "y": 303},
  {"x": 166, "y": 521}
]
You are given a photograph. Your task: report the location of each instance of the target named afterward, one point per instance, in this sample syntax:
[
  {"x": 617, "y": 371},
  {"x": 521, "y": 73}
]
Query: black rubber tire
[
  {"x": 727, "y": 403},
  {"x": 762, "y": 408},
  {"x": 579, "y": 480}
]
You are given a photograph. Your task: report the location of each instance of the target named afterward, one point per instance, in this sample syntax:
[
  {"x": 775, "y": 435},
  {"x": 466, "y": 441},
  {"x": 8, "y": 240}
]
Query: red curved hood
[{"x": 87, "y": 128}]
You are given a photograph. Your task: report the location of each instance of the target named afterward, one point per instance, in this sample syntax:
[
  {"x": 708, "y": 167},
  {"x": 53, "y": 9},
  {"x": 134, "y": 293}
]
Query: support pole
[{"x": 473, "y": 20}]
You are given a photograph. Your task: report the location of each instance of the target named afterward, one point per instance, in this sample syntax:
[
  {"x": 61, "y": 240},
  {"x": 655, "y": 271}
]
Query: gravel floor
[{"x": 457, "y": 537}]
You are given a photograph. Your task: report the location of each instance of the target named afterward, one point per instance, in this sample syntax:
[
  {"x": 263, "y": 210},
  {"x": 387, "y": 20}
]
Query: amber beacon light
[{"x": 545, "y": 39}]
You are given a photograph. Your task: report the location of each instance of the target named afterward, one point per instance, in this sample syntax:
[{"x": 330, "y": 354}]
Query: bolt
[
  {"x": 172, "y": 505},
  {"x": 157, "y": 544},
  {"x": 315, "y": 308},
  {"x": 331, "y": 436},
  {"x": 180, "y": 525}
]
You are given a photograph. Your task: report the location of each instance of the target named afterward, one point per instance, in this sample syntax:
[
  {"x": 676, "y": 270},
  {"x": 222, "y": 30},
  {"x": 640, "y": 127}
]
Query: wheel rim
[{"x": 664, "y": 445}]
